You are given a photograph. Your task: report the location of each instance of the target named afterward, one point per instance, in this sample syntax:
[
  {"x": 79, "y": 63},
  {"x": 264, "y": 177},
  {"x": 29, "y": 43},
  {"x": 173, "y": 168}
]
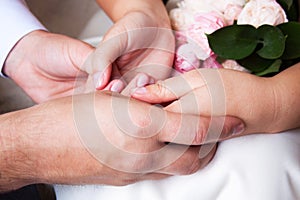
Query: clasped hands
[{"x": 128, "y": 61}]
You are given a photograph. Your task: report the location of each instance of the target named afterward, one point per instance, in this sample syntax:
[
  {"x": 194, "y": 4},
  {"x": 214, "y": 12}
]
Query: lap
[{"x": 251, "y": 167}]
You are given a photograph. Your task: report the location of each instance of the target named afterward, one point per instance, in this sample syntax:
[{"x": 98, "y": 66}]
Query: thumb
[
  {"x": 99, "y": 63},
  {"x": 190, "y": 129},
  {"x": 99, "y": 66}
]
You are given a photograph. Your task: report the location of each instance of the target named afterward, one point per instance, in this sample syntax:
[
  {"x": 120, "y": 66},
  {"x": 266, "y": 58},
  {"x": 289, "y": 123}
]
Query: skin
[
  {"x": 39, "y": 146},
  {"x": 51, "y": 67},
  {"x": 270, "y": 105},
  {"x": 141, "y": 40}
]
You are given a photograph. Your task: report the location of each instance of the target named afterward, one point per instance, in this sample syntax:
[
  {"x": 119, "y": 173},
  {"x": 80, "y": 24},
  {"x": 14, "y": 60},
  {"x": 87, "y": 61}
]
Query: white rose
[
  {"x": 181, "y": 19},
  {"x": 259, "y": 12},
  {"x": 197, "y": 6},
  {"x": 232, "y": 13},
  {"x": 221, "y": 5}
]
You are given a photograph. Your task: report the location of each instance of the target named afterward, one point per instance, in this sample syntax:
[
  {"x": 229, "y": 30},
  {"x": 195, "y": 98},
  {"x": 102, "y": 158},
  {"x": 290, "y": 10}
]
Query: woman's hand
[
  {"x": 264, "y": 104},
  {"x": 140, "y": 41},
  {"x": 47, "y": 65}
]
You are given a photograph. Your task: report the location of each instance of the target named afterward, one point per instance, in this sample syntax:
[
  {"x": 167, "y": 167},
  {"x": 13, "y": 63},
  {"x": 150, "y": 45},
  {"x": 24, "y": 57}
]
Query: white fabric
[
  {"x": 15, "y": 21},
  {"x": 256, "y": 167}
]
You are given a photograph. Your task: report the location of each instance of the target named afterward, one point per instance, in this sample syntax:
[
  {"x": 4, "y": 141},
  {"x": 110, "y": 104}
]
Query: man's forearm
[
  {"x": 41, "y": 145},
  {"x": 14, "y": 162}
]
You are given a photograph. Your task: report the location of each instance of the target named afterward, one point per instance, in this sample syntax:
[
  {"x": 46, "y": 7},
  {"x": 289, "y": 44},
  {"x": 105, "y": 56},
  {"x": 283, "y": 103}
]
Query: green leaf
[
  {"x": 275, "y": 67},
  {"x": 255, "y": 63},
  {"x": 273, "y": 42},
  {"x": 233, "y": 42},
  {"x": 292, "y": 46}
]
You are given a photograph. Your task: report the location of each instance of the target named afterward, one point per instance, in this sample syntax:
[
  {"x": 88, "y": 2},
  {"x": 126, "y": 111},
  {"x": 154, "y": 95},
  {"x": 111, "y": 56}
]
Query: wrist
[
  {"x": 286, "y": 103},
  {"x": 20, "y": 55},
  {"x": 249, "y": 98}
]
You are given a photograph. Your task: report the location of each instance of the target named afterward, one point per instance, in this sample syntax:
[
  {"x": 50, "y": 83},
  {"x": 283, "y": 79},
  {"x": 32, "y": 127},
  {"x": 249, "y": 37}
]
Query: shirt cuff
[{"x": 16, "y": 20}]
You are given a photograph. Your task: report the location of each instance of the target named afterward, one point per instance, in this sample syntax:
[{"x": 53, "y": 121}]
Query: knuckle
[{"x": 143, "y": 121}]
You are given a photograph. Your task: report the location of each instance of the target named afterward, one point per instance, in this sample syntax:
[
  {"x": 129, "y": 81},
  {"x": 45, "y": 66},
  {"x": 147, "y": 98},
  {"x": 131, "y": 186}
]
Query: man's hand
[
  {"x": 98, "y": 138},
  {"x": 47, "y": 65}
]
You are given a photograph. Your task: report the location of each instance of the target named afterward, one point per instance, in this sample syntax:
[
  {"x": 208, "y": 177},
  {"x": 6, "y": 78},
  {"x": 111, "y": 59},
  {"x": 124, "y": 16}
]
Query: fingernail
[
  {"x": 238, "y": 129},
  {"x": 142, "y": 80},
  {"x": 141, "y": 90},
  {"x": 98, "y": 79},
  {"x": 117, "y": 87}
]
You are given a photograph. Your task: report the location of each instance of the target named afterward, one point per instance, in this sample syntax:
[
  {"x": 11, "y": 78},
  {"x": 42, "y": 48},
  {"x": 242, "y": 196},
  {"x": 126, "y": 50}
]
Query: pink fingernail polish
[
  {"x": 238, "y": 129},
  {"x": 142, "y": 81},
  {"x": 98, "y": 79},
  {"x": 117, "y": 87}
]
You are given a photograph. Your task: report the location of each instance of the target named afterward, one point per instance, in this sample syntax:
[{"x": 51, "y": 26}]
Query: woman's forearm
[{"x": 116, "y": 9}]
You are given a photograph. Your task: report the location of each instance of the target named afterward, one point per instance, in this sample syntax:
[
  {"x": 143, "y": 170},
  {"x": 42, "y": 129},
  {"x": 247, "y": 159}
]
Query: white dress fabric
[
  {"x": 255, "y": 167},
  {"x": 16, "y": 21}
]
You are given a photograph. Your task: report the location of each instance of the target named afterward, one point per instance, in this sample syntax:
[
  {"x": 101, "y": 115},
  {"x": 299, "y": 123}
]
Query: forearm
[
  {"x": 116, "y": 9},
  {"x": 14, "y": 165},
  {"x": 269, "y": 104},
  {"x": 38, "y": 146}
]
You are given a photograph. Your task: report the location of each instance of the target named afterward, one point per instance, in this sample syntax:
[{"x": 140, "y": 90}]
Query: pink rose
[
  {"x": 211, "y": 62},
  {"x": 185, "y": 59},
  {"x": 180, "y": 37},
  {"x": 205, "y": 23}
]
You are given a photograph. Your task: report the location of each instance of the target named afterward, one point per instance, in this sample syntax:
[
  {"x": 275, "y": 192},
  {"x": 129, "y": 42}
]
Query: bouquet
[{"x": 256, "y": 36}]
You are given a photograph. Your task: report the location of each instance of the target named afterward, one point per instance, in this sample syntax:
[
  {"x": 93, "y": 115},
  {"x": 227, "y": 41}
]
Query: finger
[
  {"x": 140, "y": 80},
  {"x": 115, "y": 86},
  {"x": 136, "y": 177},
  {"x": 196, "y": 130},
  {"x": 100, "y": 73},
  {"x": 193, "y": 159},
  {"x": 151, "y": 176},
  {"x": 170, "y": 89}
]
